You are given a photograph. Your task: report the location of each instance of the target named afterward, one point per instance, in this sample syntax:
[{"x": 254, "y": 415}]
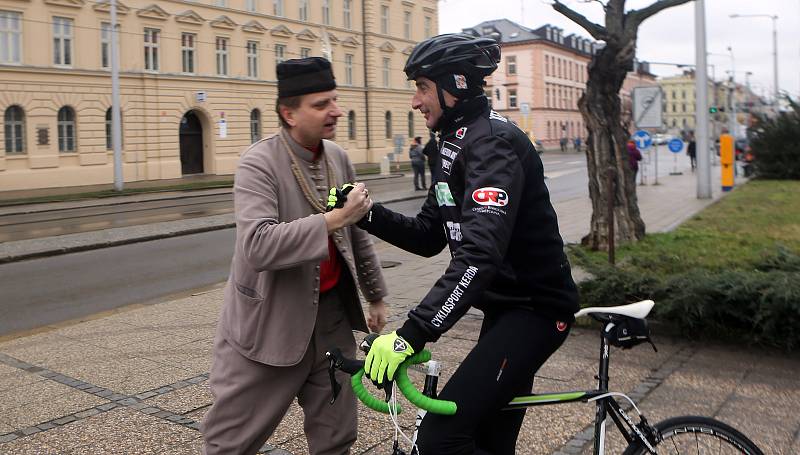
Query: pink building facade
[{"x": 544, "y": 73}]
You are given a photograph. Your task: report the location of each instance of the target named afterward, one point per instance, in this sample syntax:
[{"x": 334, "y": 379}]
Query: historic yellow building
[{"x": 197, "y": 82}]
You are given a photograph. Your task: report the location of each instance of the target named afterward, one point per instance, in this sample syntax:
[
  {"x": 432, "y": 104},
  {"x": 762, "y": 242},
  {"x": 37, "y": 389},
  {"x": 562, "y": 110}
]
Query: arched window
[
  {"x": 14, "y": 126},
  {"x": 351, "y": 125},
  {"x": 388, "y": 119},
  {"x": 109, "y": 125},
  {"x": 411, "y": 124},
  {"x": 66, "y": 130},
  {"x": 255, "y": 125}
]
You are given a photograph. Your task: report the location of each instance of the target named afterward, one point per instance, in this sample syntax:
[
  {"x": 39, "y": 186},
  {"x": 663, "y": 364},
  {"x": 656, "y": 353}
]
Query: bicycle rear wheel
[{"x": 697, "y": 435}]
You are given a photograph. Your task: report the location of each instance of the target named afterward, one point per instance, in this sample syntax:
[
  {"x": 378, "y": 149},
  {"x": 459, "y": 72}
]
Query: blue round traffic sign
[
  {"x": 642, "y": 139},
  {"x": 675, "y": 145}
]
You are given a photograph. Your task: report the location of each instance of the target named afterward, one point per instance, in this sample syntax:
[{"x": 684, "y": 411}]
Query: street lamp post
[
  {"x": 774, "y": 47},
  {"x": 701, "y": 103},
  {"x": 734, "y": 122}
]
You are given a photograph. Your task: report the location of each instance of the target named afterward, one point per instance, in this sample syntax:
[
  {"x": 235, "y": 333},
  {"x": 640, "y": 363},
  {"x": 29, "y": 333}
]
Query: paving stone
[
  {"x": 162, "y": 414},
  {"x": 46, "y": 426},
  {"x": 146, "y": 395},
  {"x": 87, "y": 413},
  {"x": 127, "y": 401},
  {"x": 8, "y": 437},
  {"x": 150, "y": 410},
  {"x": 30, "y": 430},
  {"x": 65, "y": 420},
  {"x": 107, "y": 406}
]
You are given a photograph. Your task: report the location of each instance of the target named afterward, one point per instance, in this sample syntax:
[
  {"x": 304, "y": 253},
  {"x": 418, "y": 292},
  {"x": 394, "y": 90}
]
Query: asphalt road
[
  {"x": 60, "y": 288},
  {"x": 46, "y": 291}
]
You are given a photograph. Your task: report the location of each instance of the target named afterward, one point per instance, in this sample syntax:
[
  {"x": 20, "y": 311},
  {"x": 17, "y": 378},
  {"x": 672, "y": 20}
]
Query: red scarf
[{"x": 330, "y": 269}]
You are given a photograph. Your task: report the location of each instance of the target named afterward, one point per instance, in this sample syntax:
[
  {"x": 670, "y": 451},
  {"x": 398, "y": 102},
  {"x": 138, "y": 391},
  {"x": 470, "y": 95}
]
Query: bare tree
[{"x": 601, "y": 110}]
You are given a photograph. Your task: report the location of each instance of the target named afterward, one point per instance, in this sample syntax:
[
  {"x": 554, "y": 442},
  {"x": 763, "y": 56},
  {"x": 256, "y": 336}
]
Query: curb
[{"x": 57, "y": 251}]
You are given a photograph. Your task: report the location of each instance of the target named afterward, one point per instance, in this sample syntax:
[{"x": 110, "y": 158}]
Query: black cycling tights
[{"x": 512, "y": 346}]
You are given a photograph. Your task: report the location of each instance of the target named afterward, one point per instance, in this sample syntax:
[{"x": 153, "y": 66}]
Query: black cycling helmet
[{"x": 453, "y": 53}]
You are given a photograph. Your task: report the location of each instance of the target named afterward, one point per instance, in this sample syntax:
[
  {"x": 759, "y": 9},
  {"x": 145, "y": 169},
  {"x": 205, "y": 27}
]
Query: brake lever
[{"x": 333, "y": 363}]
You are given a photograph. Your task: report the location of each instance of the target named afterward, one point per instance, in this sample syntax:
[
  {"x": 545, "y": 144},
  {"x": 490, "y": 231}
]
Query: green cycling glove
[
  {"x": 387, "y": 353},
  {"x": 337, "y": 197}
]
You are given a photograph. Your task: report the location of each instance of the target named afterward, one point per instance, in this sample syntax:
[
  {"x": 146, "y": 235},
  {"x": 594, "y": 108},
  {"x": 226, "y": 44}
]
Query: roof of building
[{"x": 510, "y": 32}]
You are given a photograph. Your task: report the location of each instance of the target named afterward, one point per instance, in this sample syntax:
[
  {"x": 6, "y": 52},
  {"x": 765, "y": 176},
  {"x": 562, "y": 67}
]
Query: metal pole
[
  {"x": 701, "y": 111},
  {"x": 116, "y": 124},
  {"x": 775, "y": 56},
  {"x": 733, "y": 124}
]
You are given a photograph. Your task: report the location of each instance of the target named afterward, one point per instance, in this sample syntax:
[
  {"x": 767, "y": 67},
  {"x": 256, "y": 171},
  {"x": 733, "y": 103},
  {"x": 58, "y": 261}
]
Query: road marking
[{"x": 557, "y": 174}]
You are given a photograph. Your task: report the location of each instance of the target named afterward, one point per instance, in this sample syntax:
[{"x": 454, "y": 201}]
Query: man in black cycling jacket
[{"x": 490, "y": 205}]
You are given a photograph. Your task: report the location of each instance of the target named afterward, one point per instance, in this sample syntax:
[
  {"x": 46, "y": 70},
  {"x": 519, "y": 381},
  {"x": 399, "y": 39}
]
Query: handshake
[{"x": 347, "y": 205}]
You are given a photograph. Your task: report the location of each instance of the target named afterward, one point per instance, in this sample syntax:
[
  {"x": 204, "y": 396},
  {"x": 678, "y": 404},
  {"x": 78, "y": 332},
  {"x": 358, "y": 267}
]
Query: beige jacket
[{"x": 273, "y": 288}]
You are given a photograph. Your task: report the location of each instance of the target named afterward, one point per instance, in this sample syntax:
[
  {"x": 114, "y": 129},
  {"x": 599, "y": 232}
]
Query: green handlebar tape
[
  {"x": 416, "y": 397},
  {"x": 406, "y": 388},
  {"x": 363, "y": 394}
]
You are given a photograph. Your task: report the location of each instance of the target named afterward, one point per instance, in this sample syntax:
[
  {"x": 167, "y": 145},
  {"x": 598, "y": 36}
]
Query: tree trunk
[{"x": 606, "y": 147}]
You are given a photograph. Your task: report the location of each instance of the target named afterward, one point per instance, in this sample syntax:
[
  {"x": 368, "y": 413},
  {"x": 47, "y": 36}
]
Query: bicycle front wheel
[{"x": 697, "y": 435}]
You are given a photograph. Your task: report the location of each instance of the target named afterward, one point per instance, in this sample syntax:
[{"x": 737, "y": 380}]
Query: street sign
[
  {"x": 675, "y": 145},
  {"x": 647, "y": 107},
  {"x": 201, "y": 97},
  {"x": 642, "y": 139},
  {"x": 525, "y": 109}
]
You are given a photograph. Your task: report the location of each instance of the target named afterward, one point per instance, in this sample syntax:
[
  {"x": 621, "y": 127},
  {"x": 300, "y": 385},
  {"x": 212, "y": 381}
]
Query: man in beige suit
[{"x": 291, "y": 293}]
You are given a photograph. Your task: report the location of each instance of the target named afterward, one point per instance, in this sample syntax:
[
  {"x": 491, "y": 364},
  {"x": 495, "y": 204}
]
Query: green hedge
[
  {"x": 760, "y": 306},
  {"x": 775, "y": 145}
]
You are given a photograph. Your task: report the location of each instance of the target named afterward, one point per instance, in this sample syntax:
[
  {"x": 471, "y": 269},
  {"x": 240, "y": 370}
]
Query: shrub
[{"x": 776, "y": 154}]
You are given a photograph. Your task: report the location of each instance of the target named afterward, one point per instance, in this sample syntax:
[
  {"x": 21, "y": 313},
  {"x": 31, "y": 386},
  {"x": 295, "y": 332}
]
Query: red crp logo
[{"x": 490, "y": 196}]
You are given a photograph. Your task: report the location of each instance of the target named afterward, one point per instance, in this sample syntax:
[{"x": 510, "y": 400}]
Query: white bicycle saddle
[{"x": 638, "y": 310}]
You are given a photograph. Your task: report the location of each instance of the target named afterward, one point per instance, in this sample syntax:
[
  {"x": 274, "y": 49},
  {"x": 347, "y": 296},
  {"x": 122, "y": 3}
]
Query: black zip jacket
[{"x": 489, "y": 203}]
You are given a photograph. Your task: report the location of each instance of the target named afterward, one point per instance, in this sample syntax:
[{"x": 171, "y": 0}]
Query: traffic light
[{"x": 712, "y": 110}]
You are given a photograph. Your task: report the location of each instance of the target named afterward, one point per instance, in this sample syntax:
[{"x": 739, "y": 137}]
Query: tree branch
[
  {"x": 636, "y": 17},
  {"x": 597, "y": 31}
]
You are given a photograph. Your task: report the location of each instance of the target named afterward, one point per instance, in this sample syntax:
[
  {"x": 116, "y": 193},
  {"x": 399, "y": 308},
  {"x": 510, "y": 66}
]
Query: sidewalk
[{"x": 135, "y": 380}]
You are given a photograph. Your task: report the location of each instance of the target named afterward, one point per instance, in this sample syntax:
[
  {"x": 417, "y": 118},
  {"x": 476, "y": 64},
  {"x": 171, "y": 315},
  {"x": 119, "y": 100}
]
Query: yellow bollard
[{"x": 726, "y": 159}]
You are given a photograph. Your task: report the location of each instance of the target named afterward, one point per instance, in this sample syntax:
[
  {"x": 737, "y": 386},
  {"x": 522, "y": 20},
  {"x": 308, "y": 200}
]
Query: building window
[
  {"x": 427, "y": 27},
  {"x": 187, "y": 52},
  {"x": 511, "y": 65},
  {"x": 683, "y": 94},
  {"x": 109, "y": 126},
  {"x": 326, "y": 12},
  {"x": 10, "y": 37},
  {"x": 303, "y": 10},
  {"x": 62, "y": 41},
  {"x": 222, "y": 3},
  {"x": 251, "y": 5},
  {"x": 255, "y": 125},
  {"x": 386, "y": 71},
  {"x": 277, "y": 7},
  {"x": 411, "y": 124},
  {"x": 151, "y": 43},
  {"x": 388, "y": 120},
  {"x": 384, "y": 19},
  {"x": 348, "y": 69},
  {"x": 305, "y": 52},
  {"x": 407, "y": 25},
  {"x": 351, "y": 125},
  {"x": 105, "y": 44},
  {"x": 546, "y": 65},
  {"x": 512, "y": 98},
  {"x": 222, "y": 56},
  {"x": 280, "y": 53},
  {"x": 346, "y": 8},
  {"x": 14, "y": 128},
  {"x": 66, "y": 129},
  {"x": 252, "y": 59}
]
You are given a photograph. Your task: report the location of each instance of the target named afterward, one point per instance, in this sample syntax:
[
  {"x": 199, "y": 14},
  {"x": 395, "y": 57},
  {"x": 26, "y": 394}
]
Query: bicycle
[{"x": 622, "y": 326}]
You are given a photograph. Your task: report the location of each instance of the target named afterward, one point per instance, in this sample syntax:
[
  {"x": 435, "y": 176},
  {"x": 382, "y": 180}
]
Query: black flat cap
[{"x": 304, "y": 75}]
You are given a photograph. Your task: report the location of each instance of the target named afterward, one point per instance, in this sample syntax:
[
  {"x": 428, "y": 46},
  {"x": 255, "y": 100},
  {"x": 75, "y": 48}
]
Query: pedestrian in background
[
  {"x": 418, "y": 164},
  {"x": 431, "y": 152},
  {"x": 577, "y": 143},
  {"x": 291, "y": 293},
  {"x": 691, "y": 150},
  {"x": 634, "y": 156}
]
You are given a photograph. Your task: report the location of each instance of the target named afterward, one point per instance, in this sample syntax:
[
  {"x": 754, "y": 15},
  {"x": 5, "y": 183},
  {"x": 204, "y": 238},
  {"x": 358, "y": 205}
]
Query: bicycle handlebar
[{"x": 407, "y": 388}]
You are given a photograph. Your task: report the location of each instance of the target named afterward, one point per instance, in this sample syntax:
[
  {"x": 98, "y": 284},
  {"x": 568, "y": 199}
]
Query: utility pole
[
  {"x": 116, "y": 124},
  {"x": 701, "y": 110},
  {"x": 733, "y": 123}
]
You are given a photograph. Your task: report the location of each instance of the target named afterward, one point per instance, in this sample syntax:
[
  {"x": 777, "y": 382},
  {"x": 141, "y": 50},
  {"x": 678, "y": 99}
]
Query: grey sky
[{"x": 669, "y": 36}]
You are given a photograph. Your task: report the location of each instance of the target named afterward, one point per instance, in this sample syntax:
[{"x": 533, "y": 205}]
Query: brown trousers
[{"x": 251, "y": 398}]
